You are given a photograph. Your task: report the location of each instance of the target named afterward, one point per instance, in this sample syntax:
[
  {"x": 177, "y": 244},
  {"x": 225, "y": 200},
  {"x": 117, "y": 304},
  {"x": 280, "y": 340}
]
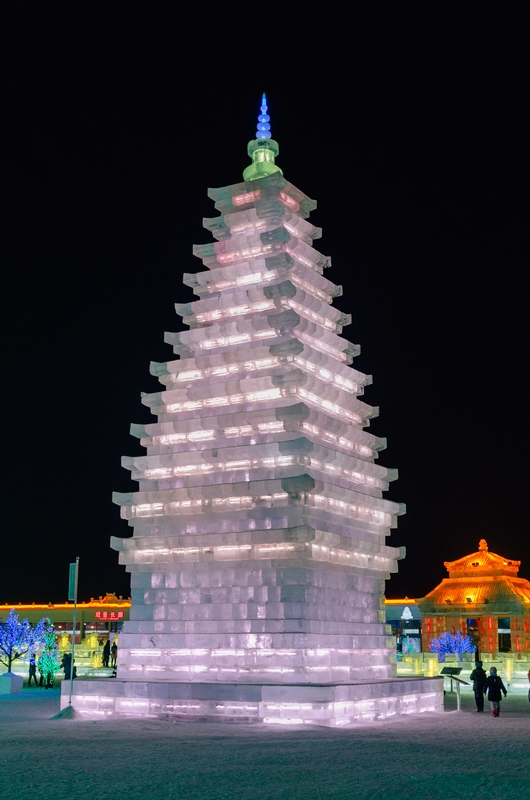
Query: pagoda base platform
[{"x": 331, "y": 705}]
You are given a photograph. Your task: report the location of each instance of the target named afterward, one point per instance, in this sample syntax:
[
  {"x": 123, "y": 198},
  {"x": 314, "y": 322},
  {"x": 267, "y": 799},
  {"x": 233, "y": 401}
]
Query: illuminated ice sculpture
[{"x": 258, "y": 554}]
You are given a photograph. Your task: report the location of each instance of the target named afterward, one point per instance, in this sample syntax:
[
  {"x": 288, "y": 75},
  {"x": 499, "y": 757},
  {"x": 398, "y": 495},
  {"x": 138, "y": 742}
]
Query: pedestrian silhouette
[
  {"x": 67, "y": 665},
  {"x": 106, "y": 653},
  {"x": 494, "y": 687},
  {"x": 32, "y": 669},
  {"x": 479, "y": 678}
]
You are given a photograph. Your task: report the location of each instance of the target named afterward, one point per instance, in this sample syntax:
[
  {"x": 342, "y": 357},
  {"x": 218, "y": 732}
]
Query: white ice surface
[{"x": 449, "y": 755}]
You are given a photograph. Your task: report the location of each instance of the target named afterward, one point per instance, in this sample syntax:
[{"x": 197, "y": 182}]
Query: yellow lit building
[
  {"x": 101, "y": 616},
  {"x": 483, "y": 597}
]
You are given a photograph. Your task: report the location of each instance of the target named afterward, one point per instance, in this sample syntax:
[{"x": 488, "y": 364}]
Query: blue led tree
[
  {"x": 18, "y": 638},
  {"x": 451, "y": 643}
]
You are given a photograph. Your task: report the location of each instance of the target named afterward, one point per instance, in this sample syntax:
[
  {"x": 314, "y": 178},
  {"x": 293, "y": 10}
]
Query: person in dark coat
[
  {"x": 106, "y": 653},
  {"x": 479, "y": 678},
  {"x": 32, "y": 669},
  {"x": 494, "y": 687},
  {"x": 67, "y": 665}
]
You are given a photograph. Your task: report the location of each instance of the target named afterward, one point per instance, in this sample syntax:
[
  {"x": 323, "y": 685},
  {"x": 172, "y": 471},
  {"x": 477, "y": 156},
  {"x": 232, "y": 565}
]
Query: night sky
[{"x": 420, "y": 171}]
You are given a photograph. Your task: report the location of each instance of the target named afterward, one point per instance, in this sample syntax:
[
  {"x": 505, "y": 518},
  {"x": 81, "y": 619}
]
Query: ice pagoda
[{"x": 258, "y": 556}]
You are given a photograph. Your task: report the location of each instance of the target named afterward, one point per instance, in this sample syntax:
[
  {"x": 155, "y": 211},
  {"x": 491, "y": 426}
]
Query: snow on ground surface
[{"x": 447, "y": 755}]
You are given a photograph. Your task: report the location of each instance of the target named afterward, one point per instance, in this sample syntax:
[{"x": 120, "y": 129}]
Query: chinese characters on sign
[{"x": 109, "y": 614}]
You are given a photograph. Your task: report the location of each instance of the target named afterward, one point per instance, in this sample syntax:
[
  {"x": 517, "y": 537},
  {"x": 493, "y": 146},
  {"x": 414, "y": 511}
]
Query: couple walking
[{"x": 492, "y": 684}]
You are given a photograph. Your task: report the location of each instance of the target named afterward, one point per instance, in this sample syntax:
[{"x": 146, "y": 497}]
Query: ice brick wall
[{"x": 258, "y": 551}]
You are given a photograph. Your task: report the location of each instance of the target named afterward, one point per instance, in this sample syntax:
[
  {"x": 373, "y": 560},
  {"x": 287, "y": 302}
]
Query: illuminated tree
[
  {"x": 19, "y": 638},
  {"x": 49, "y": 660},
  {"x": 451, "y": 643}
]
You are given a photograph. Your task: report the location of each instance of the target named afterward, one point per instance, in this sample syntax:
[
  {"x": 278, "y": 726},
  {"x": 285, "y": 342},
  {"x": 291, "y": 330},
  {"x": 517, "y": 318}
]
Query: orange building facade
[
  {"x": 484, "y": 598},
  {"x": 102, "y": 616}
]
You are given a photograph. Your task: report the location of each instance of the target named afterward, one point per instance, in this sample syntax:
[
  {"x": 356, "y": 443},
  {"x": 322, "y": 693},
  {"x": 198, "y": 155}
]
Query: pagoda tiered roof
[
  {"x": 483, "y": 563},
  {"x": 259, "y": 510},
  {"x": 478, "y": 591},
  {"x": 264, "y": 338},
  {"x": 480, "y": 578},
  {"x": 248, "y": 193},
  {"x": 252, "y": 272},
  {"x": 259, "y": 555},
  {"x": 265, "y": 425}
]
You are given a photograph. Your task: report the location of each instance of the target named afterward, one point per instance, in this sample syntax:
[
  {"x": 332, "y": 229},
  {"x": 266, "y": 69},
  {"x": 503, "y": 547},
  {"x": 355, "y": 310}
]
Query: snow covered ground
[{"x": 449, "y": 755}]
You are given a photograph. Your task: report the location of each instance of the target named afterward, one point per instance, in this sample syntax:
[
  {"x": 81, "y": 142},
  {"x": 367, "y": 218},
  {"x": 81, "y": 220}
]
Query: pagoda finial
[
  {"x": 483, "y": 545},
  {"x": 263, "y": 149},
  {"x": 264, "y": 128}
]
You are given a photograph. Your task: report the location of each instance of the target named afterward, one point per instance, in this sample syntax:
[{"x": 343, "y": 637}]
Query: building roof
[
  {"x": 108, "y": 600},
  {"x": 482, "y": 563},
  {"x": 480, "y": 578},
  {"x": 477, "y": 591}
]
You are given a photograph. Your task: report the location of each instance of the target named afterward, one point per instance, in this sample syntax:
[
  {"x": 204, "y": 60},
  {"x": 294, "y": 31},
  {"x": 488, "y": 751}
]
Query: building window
[
  {"x": 472, "y": 631},
  {"x": 505, "y": 636}
]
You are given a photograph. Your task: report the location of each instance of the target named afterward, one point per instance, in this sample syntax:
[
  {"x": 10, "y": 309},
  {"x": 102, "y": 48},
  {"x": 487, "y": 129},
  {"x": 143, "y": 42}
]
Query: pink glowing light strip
[
  {"x": 265, "y": 396},
  {"x": 289, "y": 202},
  {"x": 198, "y": 506},
  {"x": 233, "y": 311},
  {"x": 341, "y": 441},
  {"x": 245, "y": 199},
  {"x": 247, "y": 252},
  {"x": 327, "y": 405},
  {"x": 225, "y": 400},
  {"x": 242, "y": 280},
  {"x": 233, "y": 432},
  {"x": 269, "y": 462},
  {"x": 258, "y": 364},
  {"x": 309, "y": 288}
]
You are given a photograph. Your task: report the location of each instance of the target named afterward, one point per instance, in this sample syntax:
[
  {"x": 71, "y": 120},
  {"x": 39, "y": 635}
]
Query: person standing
[
  {"x": 67, "y": 665},
  {"x": 113, "y": 654},
  {"x": 479, "y": 678},
  {"x": 32, "y": 670},
  {"x": 106, "y": 653},
  {"x": 494, "y": 687}
]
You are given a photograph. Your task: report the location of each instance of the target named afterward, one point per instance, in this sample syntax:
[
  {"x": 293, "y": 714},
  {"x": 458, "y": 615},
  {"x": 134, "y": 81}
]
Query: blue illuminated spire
[
  {"x": 263, "y": 149},
  {"x": 264, "y": 128}
]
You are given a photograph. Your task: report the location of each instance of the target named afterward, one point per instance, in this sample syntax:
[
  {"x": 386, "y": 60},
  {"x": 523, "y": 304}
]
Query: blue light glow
[{"x": 264, "y": 128}]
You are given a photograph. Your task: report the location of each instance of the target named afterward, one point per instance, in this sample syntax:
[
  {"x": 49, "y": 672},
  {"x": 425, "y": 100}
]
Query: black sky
[{"x": 420, "y": 170}]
